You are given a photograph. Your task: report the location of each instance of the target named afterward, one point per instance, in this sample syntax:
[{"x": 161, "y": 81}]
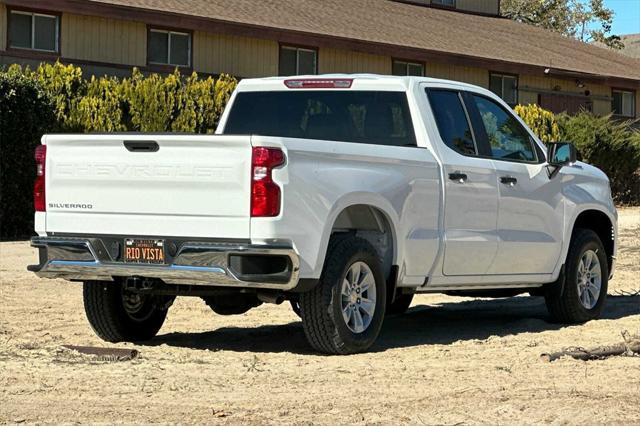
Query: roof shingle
[{"x": 393, "y": 23}]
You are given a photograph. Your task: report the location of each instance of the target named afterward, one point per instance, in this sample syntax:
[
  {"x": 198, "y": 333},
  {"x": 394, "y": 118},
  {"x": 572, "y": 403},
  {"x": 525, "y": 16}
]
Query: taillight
[
  {"x": 39, "y": 195},
  {"x": 319, "y": 83},
  {"x": 265, "y": 193}
]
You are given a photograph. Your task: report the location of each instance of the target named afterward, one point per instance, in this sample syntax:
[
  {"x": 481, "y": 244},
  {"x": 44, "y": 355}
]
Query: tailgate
[{"x": 148, "y": 185}]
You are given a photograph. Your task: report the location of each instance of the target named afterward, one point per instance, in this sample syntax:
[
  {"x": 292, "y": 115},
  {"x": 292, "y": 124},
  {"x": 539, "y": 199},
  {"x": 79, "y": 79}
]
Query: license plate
[{"x": 144, "y": 251}]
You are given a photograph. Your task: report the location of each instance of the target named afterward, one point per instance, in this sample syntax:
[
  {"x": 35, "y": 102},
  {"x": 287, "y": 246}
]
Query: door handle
[
  {"x": 458, "y": 177},
  {"x": 142, "y": 146},
  {"x": 508, "y": 180}
]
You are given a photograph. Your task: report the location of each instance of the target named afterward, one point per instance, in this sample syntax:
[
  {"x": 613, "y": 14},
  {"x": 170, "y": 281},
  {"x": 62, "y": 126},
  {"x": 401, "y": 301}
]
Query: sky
[{"x": 627, "y": 18}]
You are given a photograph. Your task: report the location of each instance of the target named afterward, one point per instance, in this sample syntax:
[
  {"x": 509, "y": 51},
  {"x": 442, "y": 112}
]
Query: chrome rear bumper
[{"x": 195, "y": 263}]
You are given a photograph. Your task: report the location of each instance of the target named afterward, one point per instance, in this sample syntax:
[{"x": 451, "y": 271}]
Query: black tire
[
  {"x": 563, "y": 301},
  {"x": 112, "y": 321},
  {"x": 400, "y": 305},
  {"x": 321, "y": 309}
]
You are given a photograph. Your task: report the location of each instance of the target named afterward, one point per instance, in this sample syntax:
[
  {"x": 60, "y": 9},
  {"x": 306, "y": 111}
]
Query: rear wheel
[
  {"x": 120, "y": 315},
  {"x": 584, "y": 292},
  {"x": 343, "y": 314}
]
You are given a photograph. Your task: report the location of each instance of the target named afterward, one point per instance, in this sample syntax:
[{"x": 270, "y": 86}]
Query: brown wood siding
[
  {"x": 103, "y": 40},
  {"x": 533, "y": 86},
  {"x": 472, "y": 75},
  {"x": 345, "y": 61},
  {"x": 238, "y": 56},
  {"x": 3, "y": 26}
]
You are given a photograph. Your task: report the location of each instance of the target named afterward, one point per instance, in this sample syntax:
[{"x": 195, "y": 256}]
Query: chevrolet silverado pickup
[{"x": 342, "y": 194}]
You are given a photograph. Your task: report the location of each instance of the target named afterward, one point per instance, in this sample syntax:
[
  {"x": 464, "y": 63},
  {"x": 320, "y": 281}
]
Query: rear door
[
  {"x": 471, "y": 192},
  {"x": 531, "y": 209},
  {"x": 149, "y": 185}
]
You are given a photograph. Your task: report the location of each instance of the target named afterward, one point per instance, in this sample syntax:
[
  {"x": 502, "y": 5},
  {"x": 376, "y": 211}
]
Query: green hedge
[
  {"x": 56, "y": 97},
  {"x": 151, "y": 103},
  {"x": 612, "y": 146}
]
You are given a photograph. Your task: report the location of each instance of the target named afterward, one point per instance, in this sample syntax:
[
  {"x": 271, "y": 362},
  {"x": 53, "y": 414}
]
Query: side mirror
[{"x": 562, "y": 154}]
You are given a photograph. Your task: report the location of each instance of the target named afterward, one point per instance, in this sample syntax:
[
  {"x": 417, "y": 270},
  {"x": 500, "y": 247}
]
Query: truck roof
[{"x": 359, "y": 82}]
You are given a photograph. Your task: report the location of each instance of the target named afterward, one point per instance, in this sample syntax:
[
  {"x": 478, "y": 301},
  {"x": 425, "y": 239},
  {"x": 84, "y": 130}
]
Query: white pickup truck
[{"x": 344, "y": 194}]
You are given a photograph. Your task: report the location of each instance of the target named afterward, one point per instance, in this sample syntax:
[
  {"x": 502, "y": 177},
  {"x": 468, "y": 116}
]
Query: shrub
[
  {"x": 101, "y": 109},
  {"x": 542, "y": 122},
  {"x": 151, "y": 100},
  {"x": 64, "y": 85},
  {"x": 26, "y": 113},
  {"x": 173, "y": 103},
  {"x": 613, "y": 146}
]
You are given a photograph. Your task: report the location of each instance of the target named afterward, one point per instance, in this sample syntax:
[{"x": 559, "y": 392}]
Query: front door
[
  {"x": 530, "y": 218},
  {"x": 471, "y": 190}
]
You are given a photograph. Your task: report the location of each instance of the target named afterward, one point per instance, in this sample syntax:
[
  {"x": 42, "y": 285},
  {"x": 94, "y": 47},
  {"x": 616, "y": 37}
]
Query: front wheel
[
  {"x": 119, "y": 315},
  {"x": 583, "y": 295},
  {"x": 343, "y": 314},
  {"x": 400, "y": 305}
]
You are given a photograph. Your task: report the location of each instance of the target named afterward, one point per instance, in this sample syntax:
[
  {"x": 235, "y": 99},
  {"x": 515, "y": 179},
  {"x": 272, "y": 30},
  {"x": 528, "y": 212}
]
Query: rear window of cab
[{"x": 368, "y": 117}]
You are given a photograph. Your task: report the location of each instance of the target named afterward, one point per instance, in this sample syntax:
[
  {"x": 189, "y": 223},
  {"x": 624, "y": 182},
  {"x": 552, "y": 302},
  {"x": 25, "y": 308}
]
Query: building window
[
  {"x": 505, "y": 86},
  {"x": 408, "y": 68},
  {"x": 298, "y": 61},
  {"x": 169, "y": 48},
  {"x": 623, "y": 103},
  {"x": 33, "y": 31},
  {"x": 447, "y": 3}
]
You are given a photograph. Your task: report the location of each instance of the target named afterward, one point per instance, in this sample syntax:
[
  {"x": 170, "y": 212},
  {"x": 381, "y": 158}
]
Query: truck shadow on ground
[{"x": 441, "y": 324}]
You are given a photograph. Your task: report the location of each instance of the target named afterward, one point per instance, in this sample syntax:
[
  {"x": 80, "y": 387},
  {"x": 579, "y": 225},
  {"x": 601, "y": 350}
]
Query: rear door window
[
  {"x": 369, "y": 117},
  {"x": 452, "y": 120}
]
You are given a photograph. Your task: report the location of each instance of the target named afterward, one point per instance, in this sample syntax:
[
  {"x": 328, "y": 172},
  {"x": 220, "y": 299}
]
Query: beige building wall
[
  {"x": 103, "y": 40},
  {"x": 345, "y": 61},
  {"x": 3, "y": 26},
  {"x": 472, "y": 75},
  {"x": 238, "y": 56}
]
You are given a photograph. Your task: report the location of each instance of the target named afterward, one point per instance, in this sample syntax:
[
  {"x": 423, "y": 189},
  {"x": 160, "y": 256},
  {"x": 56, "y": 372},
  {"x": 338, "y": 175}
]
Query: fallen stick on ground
[
  {"x": 106, "y": 354},
  {"x": 631, "y": 346}
]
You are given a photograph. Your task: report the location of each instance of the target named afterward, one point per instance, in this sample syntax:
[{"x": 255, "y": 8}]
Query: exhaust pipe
[{"x": 275, "y": 298}]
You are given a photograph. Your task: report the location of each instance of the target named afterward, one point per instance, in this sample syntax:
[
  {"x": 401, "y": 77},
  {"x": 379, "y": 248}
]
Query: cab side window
[
  {"x": 506, "y": 136},
  {"x": 452, "y": 121}
]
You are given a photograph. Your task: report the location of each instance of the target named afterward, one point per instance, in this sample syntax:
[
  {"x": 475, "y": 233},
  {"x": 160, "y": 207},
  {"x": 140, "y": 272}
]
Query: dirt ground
[{"x": 447, "y": 361}]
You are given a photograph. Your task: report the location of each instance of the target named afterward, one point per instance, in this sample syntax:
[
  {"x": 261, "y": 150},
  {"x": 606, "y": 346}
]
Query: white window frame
[
  {"x": 634, "y": 107},
  {"x": 302, "y": 49},
  {"x": 33, "y": 31},
  {"x": 406, "y": 65},
  {"x": 169, "y": 34},
  {"x": 502, "y": 88}
]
